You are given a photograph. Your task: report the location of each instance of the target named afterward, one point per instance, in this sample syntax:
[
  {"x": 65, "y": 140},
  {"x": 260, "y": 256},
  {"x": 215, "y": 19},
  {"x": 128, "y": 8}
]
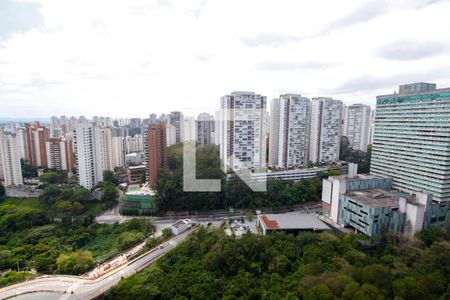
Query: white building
[
  {"x": 180, "y": 226},
  {"x": 325, "y": 130},
  {"x": 105, "y": 146},
  {"x": 171, "y": 134},
  {"x": 11, "y": 171},
  {"x": 357, "y": 125},
  {"x": 274, "y": 130},
  {"x": 189, "y": 129},
  {"x": 242, "y": 131},
  {"x": 118, "y": 152},
  {"x": 21, "y": 146},
  {"x": 288, "y": 142},
  {"x": 93, "y": 153},
  {"x": 135, "y": 143}
]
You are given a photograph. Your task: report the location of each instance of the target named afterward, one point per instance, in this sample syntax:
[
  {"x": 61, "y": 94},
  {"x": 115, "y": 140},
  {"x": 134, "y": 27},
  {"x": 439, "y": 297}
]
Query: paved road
[
  {"x": 113, "y": 216},
  {"x": 73, "y": 287}
]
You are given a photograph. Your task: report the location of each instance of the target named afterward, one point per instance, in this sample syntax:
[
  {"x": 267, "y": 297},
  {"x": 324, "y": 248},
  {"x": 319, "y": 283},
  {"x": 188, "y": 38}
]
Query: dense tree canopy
[
  {"x": 75, "y": 263},
  {"x": 349, "y": 154},
  {"x": 52, "y": 178},
  {"x": 28, "y": 170},
  {"x": 211, "y": 265},
  {"x": 37, "y": 234},
  {"x": 235, "y": 193}
]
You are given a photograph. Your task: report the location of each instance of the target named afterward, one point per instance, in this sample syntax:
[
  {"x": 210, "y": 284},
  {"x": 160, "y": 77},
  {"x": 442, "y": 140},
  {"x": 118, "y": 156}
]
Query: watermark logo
[{"x": 242, "y": 134}]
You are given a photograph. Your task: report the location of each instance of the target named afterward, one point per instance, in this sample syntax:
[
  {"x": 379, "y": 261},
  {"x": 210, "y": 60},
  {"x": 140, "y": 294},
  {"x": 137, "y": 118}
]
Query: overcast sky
[{"x": 132, "y": 58}]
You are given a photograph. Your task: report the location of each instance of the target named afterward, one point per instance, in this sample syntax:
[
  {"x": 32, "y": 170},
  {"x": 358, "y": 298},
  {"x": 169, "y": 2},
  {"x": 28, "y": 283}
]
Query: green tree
[
  {"x": 128, "y": 239},
  {"x": 51, "y": 178},
  {"x": 108, "y": 176},
  {"x": 167, "y": 233},
  {"x": 2, "y": 190},
  {"x": 81, "y": 194},
  {"x": 319, "y": 292},
  {"x": 406, "y": 288},
  {"x": 432, "y": 234},
  {"x": 28, "y": 171},
  {"x": 75, "y": 263},
  {"x": 110, "y": 193}
]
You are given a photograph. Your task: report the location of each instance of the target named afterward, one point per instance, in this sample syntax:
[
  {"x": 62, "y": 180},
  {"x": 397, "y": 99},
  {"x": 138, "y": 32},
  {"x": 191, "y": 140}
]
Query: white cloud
[{"x": 133, "y": 58}]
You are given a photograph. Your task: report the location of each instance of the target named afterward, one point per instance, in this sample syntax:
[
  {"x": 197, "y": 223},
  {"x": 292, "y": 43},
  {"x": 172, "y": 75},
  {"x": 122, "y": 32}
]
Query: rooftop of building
[
  {"x": 180, "y": 223},
  {"x": 374, "y": 197},
  {"x": 136, "y": 167},
  {"x": 292, "y": 222},
  {"x": 355, "y": 177},
  {"x": 137, "y": 190},
  {"x": 418, "y": 88}
]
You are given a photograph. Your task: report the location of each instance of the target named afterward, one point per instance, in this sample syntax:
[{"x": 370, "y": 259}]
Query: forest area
[
  {"x": 212, "y": 265},
  {"x": 235, "y": 193}
]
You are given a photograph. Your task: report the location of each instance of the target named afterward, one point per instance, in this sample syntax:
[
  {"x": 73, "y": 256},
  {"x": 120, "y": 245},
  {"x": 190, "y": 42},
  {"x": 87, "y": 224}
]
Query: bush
[
  {"x": 12, "y": 277},
  {"x": 432, "y": 234},
  {"x": 167, "y": 233},
  {"x": 75, "y": 263},
  {"x": 128, "y": 239},
  {"x": 51, "y": 178}
]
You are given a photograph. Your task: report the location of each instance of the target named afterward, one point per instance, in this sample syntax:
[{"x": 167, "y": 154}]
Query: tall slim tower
[
  {"x": 274, "y": 132},
  {"x": 11, "y": 171},
  {"x": 205, "y": 129},
  {"x": 325, "y": 130},
  {"x": 177, "y": 120},
  {"x": 289, "y": 131},
  {"x": 60, "y": 154},
  {"x": 35, "y": 138},
  {"x": 189, "y": 129},
  {"x": 357, "y": 126},
  {"x": 412, "y": 139},
  {"x": 118, "y": 151},
  {"x": 155, "y": 148},
  {"x": 92, "y": 152},
  {"x": 242, "y": 131}
]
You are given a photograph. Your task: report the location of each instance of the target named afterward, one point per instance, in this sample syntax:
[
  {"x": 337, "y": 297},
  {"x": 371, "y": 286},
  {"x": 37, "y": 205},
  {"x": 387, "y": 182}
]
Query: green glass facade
[
  {"x": 412, "y": 142},
  {"x": 135, "y": 203}
]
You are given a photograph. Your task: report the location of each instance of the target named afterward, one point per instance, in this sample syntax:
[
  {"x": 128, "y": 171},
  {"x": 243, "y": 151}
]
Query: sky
[{"x": 132, "y": 58}]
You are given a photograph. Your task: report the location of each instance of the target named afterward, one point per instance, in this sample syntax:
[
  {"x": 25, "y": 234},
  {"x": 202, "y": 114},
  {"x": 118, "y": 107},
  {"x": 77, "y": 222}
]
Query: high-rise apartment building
[
  {"x": 177, "y": 120},
  {"x": 11, "y": 171},
  {"x": 155, "y": 152},
  {"x": 274, "y": 129},
  {"x": 21, "y": 144},
  {"x": 189, "y": 129},
  {"x": 357, "y": 125},
  {"x": 325, "y": 130},
  {"x": 171, "y": 134},
  {"x": 412, "y": 139},
  {"x": 205, "y": 129},
  {"x": 288, "y": 141},
  {"x": 134, "y": 143},
  {"x": 105, "y": 147},
  {"x": 35, "y": 138},
  {"x": 135, "y": 123},
  {"x": 118, "y": 151},
  {"x": 92, "y": 152},
  {"x": 242, "y": 131},
  {"x": 60, "y": 154}
]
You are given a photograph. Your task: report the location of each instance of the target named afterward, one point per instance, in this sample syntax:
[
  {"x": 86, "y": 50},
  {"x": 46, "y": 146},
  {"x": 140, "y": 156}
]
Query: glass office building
[{"x": 412, "y": 140}]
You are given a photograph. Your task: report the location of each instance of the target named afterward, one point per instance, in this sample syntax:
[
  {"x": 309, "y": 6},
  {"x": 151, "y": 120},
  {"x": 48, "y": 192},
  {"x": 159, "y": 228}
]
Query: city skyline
[{"x": 84, "y": 62}]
